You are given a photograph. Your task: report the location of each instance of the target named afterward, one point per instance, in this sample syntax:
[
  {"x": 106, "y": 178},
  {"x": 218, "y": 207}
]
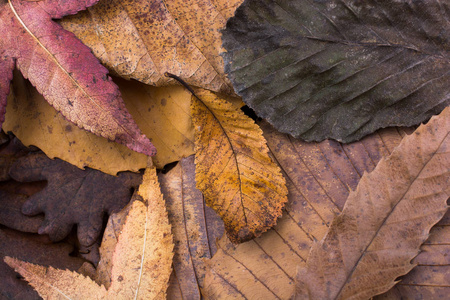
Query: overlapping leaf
[
  {"x": 233, "y": 168},
  {"x": 155, "y": 37},
  {"x": 195, "y": 228},
  {"x": 140, "y": 264},
  {"x": 63, "y": 70},
  {"x": 319, "y": 178},
  {"x": 384, "y": 221},
  {"x": 340, "y": 69}
]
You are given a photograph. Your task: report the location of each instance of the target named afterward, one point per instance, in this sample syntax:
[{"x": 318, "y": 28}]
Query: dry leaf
[
  {"x": 163, "y": 114},
  {"x": 141, "y": 262},
  {"x": 195, "y": 228},
  {"x": 384, "y": 221},
  {"x": 233, "y": 169},
  {"x": 64, "y": 70},
  {"x": 319, "y": 177},
  {"x": 144, "y": 39}
]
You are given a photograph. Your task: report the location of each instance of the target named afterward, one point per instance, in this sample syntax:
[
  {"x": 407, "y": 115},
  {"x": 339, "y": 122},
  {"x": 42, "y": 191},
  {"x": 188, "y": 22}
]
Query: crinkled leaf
[
  {"x": 140, "y": 263},
  {"x": 63, "y": 70},
  {"x": 144, "y": 39},
  {"x": 233, "y": 168},
  {"x": 319, "y": 177},
  {"x": 384, "y": 221},
  {"x": 72, "y": 196},
  {"x": 340, "y": 69},
  {"x": 195, "y": 228}
]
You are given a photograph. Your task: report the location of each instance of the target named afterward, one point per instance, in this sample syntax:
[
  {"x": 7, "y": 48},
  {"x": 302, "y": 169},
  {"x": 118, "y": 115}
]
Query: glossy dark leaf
[{"x": 340, "y": 69}]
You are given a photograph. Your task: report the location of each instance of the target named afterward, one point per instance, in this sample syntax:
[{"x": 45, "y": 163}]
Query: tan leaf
[
  {"x": 195, "y": 228},
  {"x": 233, "y": 169},
  {"x": 384, "y": 221},
  {"x": 319, "y": 177},
  {"x": 144, "y": 39},
  {"x": 140, "y": 265},
  {"x": 162, "y": 113}
]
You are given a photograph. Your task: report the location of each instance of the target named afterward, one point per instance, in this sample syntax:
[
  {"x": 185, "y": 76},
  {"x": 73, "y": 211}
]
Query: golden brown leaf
[
  {"x": 233, "y": 169},
  {"x": 140, "y": 264},
  {"x": 384, "y": 222},
  {"x": 144, "y": 39},
  {"x": 195, "y": 227},
  {"x": 319, "y": 177},
  {"x": 162, "y": 113}
]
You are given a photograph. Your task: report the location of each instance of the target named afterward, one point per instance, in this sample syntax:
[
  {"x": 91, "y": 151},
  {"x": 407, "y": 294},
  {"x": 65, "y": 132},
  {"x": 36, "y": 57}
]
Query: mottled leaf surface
[
  {"x": 234, "y": 171},
  {"x": 384, "y": 221},
  {"x": 144, "y": 39},
  {"x": 63, "y": 70},
  {"x": 340, "y": 69},
  {"x": 319, "y": 177},
  {"x": 195, "y": 228},
  {"x": 72, "y": 196}
]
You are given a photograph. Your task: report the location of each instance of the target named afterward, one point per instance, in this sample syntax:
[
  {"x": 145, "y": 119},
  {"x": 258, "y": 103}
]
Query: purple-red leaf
[{"x": 63, "y": 70}]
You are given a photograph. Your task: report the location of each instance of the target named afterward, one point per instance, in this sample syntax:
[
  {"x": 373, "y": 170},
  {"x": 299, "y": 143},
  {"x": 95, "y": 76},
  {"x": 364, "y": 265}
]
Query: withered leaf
[
  {"x": 72, "y": 196},
  {"x": 233, "y": 168},
  {"x": 384, "y": 221},
  {"x": 195, "y": 228},
  {"x": 319, "y": 177},
  {"x": 144, "y": 39},
  {"x": 340, "y": 69},
  {"x": 63, "y": 70},
  {"x": 31, "y": 248},
  {"x": 140, "y": 263}
]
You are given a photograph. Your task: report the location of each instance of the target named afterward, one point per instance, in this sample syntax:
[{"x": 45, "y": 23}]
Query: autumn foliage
[{"x": 174, "y": 150}]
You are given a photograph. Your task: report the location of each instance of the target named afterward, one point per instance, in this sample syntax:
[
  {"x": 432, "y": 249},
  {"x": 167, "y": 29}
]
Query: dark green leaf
[{"x": 340, "y": 69}]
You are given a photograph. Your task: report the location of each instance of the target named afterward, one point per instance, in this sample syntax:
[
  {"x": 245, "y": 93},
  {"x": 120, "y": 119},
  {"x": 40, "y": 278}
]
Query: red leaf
[{"x": 63, "y": 70}]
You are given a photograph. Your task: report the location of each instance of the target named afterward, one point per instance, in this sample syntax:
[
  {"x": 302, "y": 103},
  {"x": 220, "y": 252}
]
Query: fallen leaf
[
  {"x": 161, "y": 113},
  {"x": 319, "y": 177},
  {"x": 233, "y": 169},
  {"x": 141, "y": 262},
  {"x": 64, "y": 70},
  {"x": 144, "y": 39},
  {"x": 195, "y": 228},
  {"x": 430, "y": 277},
  {"x": 31, "y": 248},
  {"x": 72, "y": 196},
  {"x": 340, "y": 69},
  {"x": 384, "y": 221}
]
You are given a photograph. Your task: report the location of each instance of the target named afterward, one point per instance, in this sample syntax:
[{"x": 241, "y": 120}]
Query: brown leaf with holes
[
  {"x": 195, "y": 228},
  {"x": 319, "y": 177},
  {"x": 233, "y": 168},
  {"x": 140, "y": 263},
  {"x": 384, "y": 221}
]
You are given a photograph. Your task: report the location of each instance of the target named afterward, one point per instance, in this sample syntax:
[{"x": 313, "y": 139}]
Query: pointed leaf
[
  {"x": 384, "y": 222},
  {"x": 319, "y": 177},
  {"x": 64, "y": 70},
  {"x": 233, "y": 169},
  {"x": 340, "y": 69},
  {"x": 154, "y": 37}
]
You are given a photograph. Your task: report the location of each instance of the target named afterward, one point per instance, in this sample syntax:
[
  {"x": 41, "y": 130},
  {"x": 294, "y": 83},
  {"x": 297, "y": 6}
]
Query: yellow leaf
[
  {"x": 233, "y": 168},
  {"x": 144, "y": 39},
  {"x": 140, "y": 264},
  {"x": 384, "y": 222}
]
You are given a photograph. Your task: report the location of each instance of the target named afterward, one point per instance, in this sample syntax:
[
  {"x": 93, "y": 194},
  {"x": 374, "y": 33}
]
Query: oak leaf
[
  {"x": 35, "y": 249},
  {"x": 319, "y": 177},
  {"x": 155, "y": 37},
  {"x": 384, "y": 221},
  {"x": 140, "y": 263},
  {"x": 340, "y": 69},
  {"x": 63, "y": 70},
  {"x": 233, "y": 168},
  {"x": 195, "y": 228},
  {"x": 72, "y": 196}
]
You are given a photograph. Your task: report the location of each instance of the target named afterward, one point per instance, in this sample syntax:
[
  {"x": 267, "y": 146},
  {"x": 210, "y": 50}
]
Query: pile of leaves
[{"x": 238, "y": 149}]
